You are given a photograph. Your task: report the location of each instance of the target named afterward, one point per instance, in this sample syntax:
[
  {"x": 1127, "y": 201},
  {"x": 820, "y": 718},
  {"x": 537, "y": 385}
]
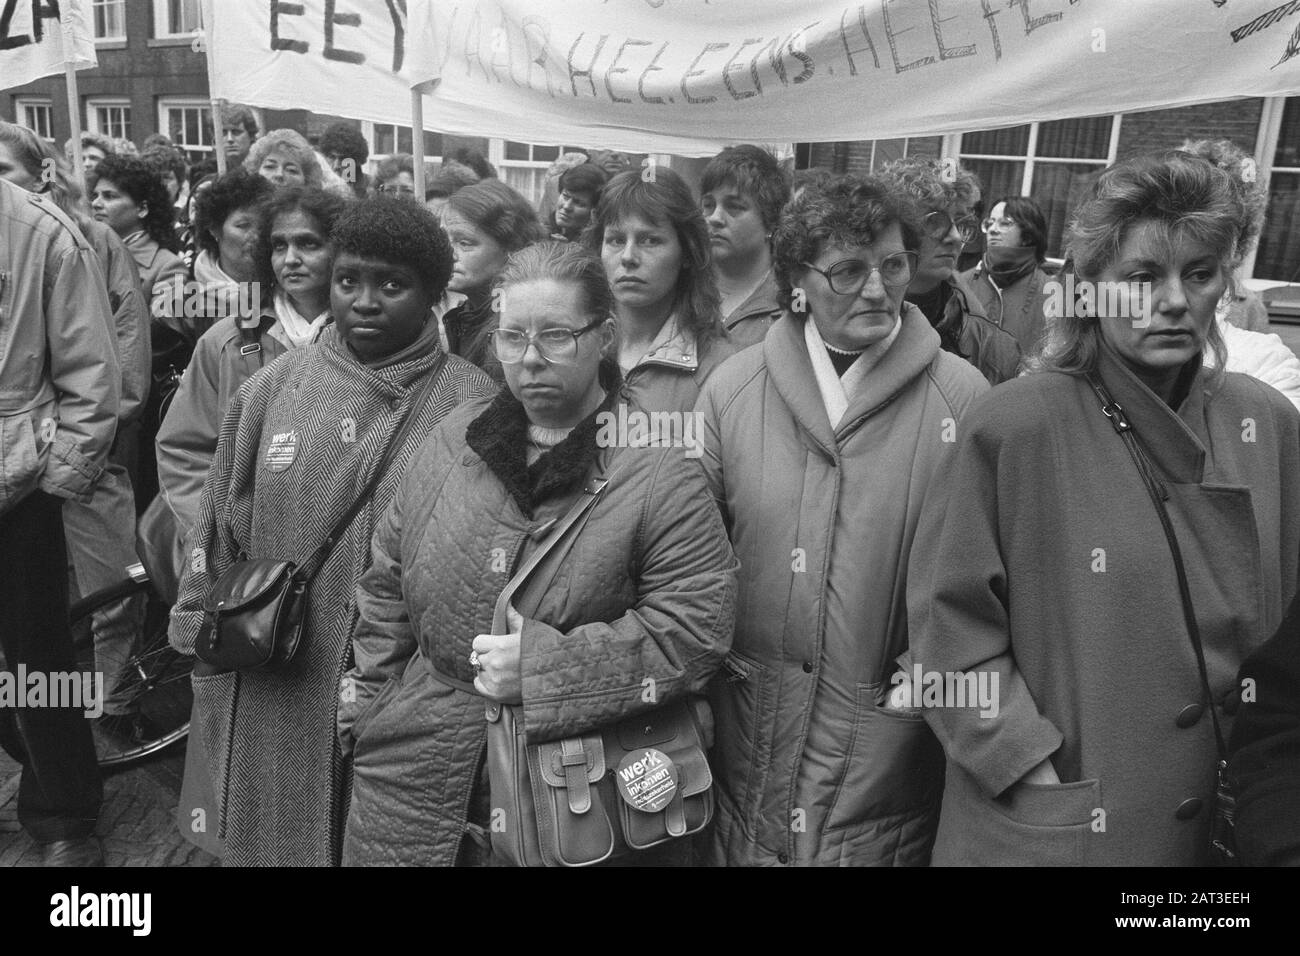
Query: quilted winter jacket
[
  {"x": 810, "y": 768},
  {"x": 647, "y": 592},
  {"x": 749, "y": 321},
  {"x": 60, "y": 382}
]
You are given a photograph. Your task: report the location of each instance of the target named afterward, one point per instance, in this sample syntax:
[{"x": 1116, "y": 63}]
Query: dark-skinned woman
[
  {"x": 301, "y": 440},
  {"x": 645, "y": 593}
]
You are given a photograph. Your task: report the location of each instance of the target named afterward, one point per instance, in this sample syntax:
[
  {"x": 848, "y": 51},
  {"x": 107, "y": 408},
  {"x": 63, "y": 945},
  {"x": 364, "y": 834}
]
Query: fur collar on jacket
[{"x": 499, "y": 435}]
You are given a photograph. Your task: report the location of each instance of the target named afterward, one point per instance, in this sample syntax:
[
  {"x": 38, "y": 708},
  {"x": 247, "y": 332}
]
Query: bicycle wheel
[{"x": 150, "y": 681}]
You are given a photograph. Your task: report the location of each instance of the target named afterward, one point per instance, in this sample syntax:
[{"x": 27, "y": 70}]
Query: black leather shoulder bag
[{"x": 254, "y": 615}]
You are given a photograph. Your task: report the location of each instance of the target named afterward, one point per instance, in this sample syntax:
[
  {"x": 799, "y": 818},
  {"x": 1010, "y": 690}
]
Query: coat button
[
  {"x": 1189, "y": 715},
  {"x": 807, "y": 667},
  {"x": 1189, "y": 808},
  {"x": 783, "y": 857}
]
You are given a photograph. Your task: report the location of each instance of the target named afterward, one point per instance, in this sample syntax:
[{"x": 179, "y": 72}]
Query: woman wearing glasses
[
  {"x": 819, "y": 446},
  {"x": 944, "y": 200},
  {"x": 654, "y": 242},
  {"x": 395, "y": 177},
  {"x": 1009, "y": 279},
  {"x": 645, "y": 594},
  {"x": 485, "y": 222}
]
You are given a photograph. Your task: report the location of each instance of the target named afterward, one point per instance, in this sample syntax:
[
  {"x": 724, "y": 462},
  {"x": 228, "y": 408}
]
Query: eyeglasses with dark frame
[
  {"x": 848, "y": 276},
  {"x": 937, "y": 224},
  {"x": 557, "y": 346}
]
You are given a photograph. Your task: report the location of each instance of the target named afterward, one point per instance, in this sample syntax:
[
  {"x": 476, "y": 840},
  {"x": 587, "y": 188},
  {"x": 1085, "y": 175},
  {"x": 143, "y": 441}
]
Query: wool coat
[
  {"x": 810, "y": 768},
  {"x": 646, "y": 593},
  {"x": 302, "y": 438},
  {"x": 1042, "y": 563}
]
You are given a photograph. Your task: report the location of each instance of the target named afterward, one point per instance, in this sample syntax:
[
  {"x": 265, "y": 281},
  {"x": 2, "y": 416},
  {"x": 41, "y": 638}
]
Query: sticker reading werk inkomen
[
  {"x": 281, "y": 452},
  {"x": 647, "y": 780}
]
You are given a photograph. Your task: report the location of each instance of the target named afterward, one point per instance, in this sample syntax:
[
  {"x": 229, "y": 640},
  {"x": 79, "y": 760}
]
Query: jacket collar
[
  {"x": 1169, "y": 438},
  {"x": 762, "y": 301},
  {"x": 499, "y": 435},
  {"x": 785, "y": 353}
]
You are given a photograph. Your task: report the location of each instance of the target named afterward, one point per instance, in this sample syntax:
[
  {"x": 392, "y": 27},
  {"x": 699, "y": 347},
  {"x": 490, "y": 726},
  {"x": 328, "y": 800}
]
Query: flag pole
[
  {"x": 218, "y": 105},
  {"x": 417, "y": 141},
  {"x": 74, "y": 99}
]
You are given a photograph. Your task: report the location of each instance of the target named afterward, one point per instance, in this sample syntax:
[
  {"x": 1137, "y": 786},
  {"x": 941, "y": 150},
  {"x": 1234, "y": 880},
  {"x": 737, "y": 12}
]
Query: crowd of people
[{"x": 872, "y": 480}]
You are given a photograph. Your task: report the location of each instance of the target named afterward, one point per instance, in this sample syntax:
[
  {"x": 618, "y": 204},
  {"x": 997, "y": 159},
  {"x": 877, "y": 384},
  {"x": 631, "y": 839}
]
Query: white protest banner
[
  {"x": 344, "y": 57},
  {"x": 683, "y": 76},
  {"x": 32, "y": 39}
]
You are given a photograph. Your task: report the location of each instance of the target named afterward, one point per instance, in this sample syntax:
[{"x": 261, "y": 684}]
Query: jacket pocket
[
  {"x": 214, "y": 710},
  {"x": 377, "y": 703},
  {"x": 20, "y": 460},
  {"x": 1029, "y": 825},
  {"x": 892, "y": 765},
  {"x": 744, "y": 713}
]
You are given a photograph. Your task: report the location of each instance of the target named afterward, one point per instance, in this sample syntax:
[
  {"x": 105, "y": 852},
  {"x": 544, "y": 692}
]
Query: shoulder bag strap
[
  {"x": 309, "y": 568},
  {"x": 1156, "y": 489},
  {"x": 558, "y": 532}
]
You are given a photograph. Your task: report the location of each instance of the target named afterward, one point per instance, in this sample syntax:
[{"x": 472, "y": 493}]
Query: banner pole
[
  {"x": 74, "y": 103},
  {"x": 217, "y": 104},
  {"x": 417, "y": 142}
]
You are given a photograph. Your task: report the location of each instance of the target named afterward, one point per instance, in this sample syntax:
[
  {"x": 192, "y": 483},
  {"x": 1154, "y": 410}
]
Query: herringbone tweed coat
[{"x": 300, "y": 441}]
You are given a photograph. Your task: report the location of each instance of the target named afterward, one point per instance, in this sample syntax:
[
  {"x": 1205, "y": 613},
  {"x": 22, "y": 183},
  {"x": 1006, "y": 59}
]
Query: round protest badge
[{"x": 647, "y": 780}]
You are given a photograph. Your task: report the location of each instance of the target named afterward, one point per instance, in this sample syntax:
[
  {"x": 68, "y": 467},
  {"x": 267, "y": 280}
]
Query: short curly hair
[
  {"x": 292, "y": 143},
  {"x": 142, "y": 183},
  {"x": 930, "y": 183},
  {"x": 847, "y": 210},
  {"x": 398, "y": 231},
  {"x": 344, "y": 139},
  {"x": 322, "y": 206},
  {"x": 238, "y": 189},
  {"x": 165, "y": 159},
  {"x": 754, "y": 172},
  {"x": 1240, "y": 167}
]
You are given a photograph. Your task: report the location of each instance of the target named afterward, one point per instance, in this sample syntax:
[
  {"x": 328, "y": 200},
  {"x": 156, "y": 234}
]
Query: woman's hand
[{"x": 498, "y": 657}]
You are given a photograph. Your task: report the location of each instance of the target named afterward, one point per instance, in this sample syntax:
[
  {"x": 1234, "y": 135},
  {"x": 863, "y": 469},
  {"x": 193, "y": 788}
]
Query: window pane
[
  {"x": 109, "y": 19},
  {"x": 926, "y": 147},
  {"x": 385, "y": 139},
  {"x": 432, "y": 144},
  {"x": 998, "y": 178},
  {"x": 517, "y": 151},
  {"x": 997, "y": 142},
  {"x": 1058, "y": 188},
  {"x": 546, "y": 154},
  {"x": 1288, "y": 137},
  {"x": 888, "y": 150},
  {"x": 1087, "y": 138},
  {"x": 404, "y": 142},
  {"x": 1279, "y": 244},
  {"x": 527, "y": 180}
]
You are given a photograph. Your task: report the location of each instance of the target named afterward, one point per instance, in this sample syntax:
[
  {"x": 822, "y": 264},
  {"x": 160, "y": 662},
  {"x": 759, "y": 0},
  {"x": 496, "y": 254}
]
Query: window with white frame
[
  {"x": 110, "y": 19},
  {"x": 188, "y": 123},
  {"x": 1054, "y": 163},
  {"x": 385, "y": 140},
  {"x": 1278, "y": 253},
  {"x": 37, "y": 116},
  {"x": 523, "y": 166},
  {"x": 109, "y": 117},
  {"x": 176, "y": 18},
  {"x": 887, "y": 150}
]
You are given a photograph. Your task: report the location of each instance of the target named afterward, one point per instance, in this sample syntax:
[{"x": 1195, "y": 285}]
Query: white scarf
[
  {"x": 291, "y": 328},
  {"x": 217, "y": 284},
  {"x": 836, "y": 390}
]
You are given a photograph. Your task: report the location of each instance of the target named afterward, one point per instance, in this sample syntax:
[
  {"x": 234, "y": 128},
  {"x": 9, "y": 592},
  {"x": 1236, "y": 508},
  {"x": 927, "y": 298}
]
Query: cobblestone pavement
[{"x": 137, "y": 822}]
